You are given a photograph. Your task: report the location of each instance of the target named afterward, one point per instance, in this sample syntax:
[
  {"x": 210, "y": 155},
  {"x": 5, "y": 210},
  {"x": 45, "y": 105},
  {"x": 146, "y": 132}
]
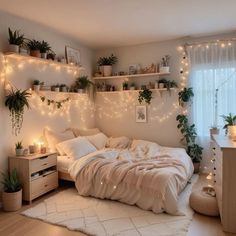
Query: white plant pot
[
  {"x": 64, "y": 89},
  {"x": 164, "y": 69},
  {"x": 19, "y": 152},
  {"x": 231, "y": 131},
  {"x": 12, "y": 201},
  {"x": 23, "y": 51},
  {"x": 80, "y": 90},
  {"x": 107, "y": 71},
  {"x": 14, "y": 48},
  {"x": 44, "y": 55},
  {"x": 36, "y": 88},
  {"x": 57, "y": 89},
  {"x": 161, "y": 85}
]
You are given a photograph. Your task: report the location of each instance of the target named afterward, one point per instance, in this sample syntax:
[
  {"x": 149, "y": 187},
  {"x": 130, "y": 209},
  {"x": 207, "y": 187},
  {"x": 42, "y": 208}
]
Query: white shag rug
[{"x": 105, "y": 218}]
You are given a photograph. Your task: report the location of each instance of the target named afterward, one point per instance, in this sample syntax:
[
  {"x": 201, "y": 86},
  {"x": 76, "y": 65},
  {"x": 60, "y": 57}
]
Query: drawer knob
[
  {"x": 214, "y": 148},
  {"x": 45, "y": 164},
  {"x": 214, "y": 168}
]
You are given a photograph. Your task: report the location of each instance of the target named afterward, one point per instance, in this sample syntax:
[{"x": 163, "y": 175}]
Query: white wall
[{"x": 21, "y": 75}]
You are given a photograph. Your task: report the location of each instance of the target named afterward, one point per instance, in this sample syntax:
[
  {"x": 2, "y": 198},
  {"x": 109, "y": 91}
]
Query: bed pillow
[
  {"x": 98, "y": 140},
  {"x": 77, "y": 147},
  {"x": 84, "y": 132},
  {"x": 119, "y": 142},
  {"x": 53, "y": 138}
]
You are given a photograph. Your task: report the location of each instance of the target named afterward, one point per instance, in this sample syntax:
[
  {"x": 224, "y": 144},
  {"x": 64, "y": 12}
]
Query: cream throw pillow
[
  {"x": 84, "y": 132},
  {"x": 119, "y": 142},
  {"x": 76, "y": 148},
  {"x": 98, "y": 140}
]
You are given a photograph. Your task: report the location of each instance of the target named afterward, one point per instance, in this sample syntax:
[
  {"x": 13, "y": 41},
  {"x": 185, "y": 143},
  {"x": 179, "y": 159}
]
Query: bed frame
[{"x": 64, "y": 176}]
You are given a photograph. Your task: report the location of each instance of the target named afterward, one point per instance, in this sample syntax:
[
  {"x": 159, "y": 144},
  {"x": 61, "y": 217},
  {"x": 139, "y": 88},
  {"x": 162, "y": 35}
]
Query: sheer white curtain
[{"x": 212, "y": 66}]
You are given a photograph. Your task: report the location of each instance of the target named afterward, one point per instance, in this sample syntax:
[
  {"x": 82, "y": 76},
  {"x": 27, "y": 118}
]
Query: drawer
[
  {"x": 43, "y": 184},
  {"x": 43, "y": 163}
]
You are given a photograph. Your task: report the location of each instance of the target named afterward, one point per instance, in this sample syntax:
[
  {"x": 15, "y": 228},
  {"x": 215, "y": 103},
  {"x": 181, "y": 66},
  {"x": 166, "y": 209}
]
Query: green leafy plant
[
  {"x": 168, "y": 83},
  {"x": 44, "y": 47},
  {"x": 11, "y": 182},
  {"x": 229, "y": 121},
  {"x": 19, "y": 145},
  {"x": 125, "y": 85},
  {"x": 165, "y": 61},
  {"x": 15, "y": 37},
  {"x": 185, "y": 96},
  {"x": 189, "y": 138},
  {"x": 83, "y": 82},
  {"x": 34, "y": 45},
  {"x": 16, "y": 101},
  {"x": 107, "y": 61},
  {"x": 145, "y": 95},
  {"x": 37, "y": 82},
  {"x": 132, "y": 84}
]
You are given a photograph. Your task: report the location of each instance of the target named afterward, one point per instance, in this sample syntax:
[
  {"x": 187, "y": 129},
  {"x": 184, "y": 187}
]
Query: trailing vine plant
[
  {"x": 58, "y": 104},
  {"x": 16, "y": 101},
  {"x": 185, "y": 96},
  {"x": 145, "y": 95}
]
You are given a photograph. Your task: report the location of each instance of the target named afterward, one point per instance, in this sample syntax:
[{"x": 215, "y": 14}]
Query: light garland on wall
[{"x": 54, "y": 103}]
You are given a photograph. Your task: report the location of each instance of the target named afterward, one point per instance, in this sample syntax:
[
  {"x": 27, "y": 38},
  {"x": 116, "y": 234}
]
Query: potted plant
[
  {"x": 15, "y": 40},
  {"x": 105, "y": 64},
  {"x": 51, "y": 55},
  {"x": 145, "y": 95},
  {"x": 37, "y": 85},
  {"x": 34, "y": 47},
  {"x": 16, "y": 101},
  {"x": 230, "y": 125},
  {"x": 125, "y": 85},
  {"x": 57, "y": 88},
  {"x": 12, "y": 191},
  {"x": 132, "y": 86},
  {"x": 63, "y": 88},
  {"x": 44, "y": 49},
  {"x": 189, "y": 140},
  {"x": 82, "y": 83},
  {"x": 165, "y": 64},
  {"x": 162, "y": 83},
  {"x": 19, "y": 149},
  {"x": 185, "y": 96}
]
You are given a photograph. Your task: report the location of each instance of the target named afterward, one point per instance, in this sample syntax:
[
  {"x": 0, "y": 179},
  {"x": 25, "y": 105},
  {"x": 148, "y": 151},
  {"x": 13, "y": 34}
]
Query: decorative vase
[
  {"x": 196, "y": 167},
  {"x": 35, "y": 53},
  {"x": 20, "y": 152},
  {"x": 36, "y": 88},
  {"x": 44, "y": 55},
  {"x": 231, "y": 131},
  {"x": 161, "y": 85},
  {"x": 14, "y": 48},
  {"x": 12, "y": 201},
  {"x": 164, "y": 69},
  {"x": 107, "y": 71}
]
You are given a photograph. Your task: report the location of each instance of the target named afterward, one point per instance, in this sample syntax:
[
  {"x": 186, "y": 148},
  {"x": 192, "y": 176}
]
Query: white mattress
[{"x": 64, "y": 163}]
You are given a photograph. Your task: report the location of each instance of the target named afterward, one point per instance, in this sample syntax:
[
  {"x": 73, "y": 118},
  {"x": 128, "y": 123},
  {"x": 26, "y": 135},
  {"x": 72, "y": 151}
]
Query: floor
[{"x": 13, "y": 224}]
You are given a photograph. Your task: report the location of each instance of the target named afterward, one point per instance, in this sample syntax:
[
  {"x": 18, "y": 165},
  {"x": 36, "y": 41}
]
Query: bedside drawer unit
[{"x": 42, "y": 163}]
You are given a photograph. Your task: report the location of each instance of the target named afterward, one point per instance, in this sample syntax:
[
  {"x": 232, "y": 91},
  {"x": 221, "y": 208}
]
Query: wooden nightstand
[{"x": 38, "y": 173}]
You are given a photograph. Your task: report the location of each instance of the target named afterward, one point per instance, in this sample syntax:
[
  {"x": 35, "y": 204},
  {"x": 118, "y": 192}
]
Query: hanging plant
[
  {"x": 185, "y": 96},
  {"x": 16, "y": 101},
  {"x": 145, "y": 95},
  {"x": 58, "y": 104}
]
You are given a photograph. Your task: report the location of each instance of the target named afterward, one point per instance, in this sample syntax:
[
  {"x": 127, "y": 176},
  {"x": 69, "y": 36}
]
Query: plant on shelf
[
  {"x": 82, "y": 83},
  {"x": 125, "y": 85},
  {"x": 189, "y": 139},
  {"x": 63, "y": 88},
  {"x": 16, "y": 101},
  {"x": 105, "y": 64},
  {"x": 37, "y": 84},
  {"x": 34, "y": 47},
  {"x": 12, "y": 191},
  {"x": 165, "y": 64},
  {"x": 19, "y": 149},
  {"x": 230, "y": 122},
  {"x": 132, "y": 86},
  {"x": 44, "y": 49},
  {"x": 168, "y": 84},
  {"x": 15, "y": 40},
  {"x": 185, "y": 96},
  {"x": 145, "y": 95}
]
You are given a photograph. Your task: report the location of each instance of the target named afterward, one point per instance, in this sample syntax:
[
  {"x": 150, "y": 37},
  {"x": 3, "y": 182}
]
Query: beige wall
[{"x": 81, "y": 112}]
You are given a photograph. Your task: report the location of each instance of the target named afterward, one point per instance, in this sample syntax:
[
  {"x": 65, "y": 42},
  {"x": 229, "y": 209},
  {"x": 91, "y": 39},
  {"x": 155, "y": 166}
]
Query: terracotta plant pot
[
  {"x": 231, "y": 131},
  {"x": 196, "y": 167},
  {"x": 14, "y": 48},
  {"x": 107, "y": 71},
  {"x": 12, "y": 201},
  {"x": 35, "y": 53}
]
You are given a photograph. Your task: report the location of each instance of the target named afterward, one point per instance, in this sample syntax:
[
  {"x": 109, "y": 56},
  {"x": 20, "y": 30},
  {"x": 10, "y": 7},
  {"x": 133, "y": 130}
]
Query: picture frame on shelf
[
  {"x": 141, "y": 114},
  {"x": 72, "y": 56}
]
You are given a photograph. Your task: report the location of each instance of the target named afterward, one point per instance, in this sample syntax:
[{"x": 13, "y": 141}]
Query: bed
[{"x": 135, "y": 172}]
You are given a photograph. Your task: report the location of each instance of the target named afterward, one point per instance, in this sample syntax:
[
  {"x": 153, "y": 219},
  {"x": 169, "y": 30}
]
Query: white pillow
[
  {"x": 53, "y": 138},
  {"x": 119, "y": 143},
  {"x": 84, "y": 132},
  {"x": 98, "y": 140},
  {"x": 76, "y": 148}
]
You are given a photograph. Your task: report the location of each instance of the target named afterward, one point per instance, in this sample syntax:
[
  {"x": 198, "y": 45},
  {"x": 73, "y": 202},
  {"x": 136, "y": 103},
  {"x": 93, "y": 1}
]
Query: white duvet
[{"x": 147, "y": 175}]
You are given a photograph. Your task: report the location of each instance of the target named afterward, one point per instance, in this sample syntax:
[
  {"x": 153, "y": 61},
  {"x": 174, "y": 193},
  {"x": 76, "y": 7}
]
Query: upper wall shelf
[
  {"x": 130, "y": 76},
  {"x": 40, "y": 60}
]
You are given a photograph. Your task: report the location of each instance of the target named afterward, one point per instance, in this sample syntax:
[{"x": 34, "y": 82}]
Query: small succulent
[
  {"x": 107, "y": 61},
  {"x": 15, "y": 37}
]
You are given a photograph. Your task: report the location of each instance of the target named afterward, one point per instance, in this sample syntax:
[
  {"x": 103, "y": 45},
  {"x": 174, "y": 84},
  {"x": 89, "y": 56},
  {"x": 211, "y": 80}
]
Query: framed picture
[
  {"x": 72, "y": 56},
  {"x": 141, "y": 114}
]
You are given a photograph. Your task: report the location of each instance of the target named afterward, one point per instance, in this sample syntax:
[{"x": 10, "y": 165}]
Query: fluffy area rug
[{"x": 105, "y": 218}]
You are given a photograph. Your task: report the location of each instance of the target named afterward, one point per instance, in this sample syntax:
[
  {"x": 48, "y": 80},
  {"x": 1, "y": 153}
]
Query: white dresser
[{"x": 224, "y": 151}]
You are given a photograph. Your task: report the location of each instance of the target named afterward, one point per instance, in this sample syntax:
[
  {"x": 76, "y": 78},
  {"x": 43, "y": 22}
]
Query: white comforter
[{"x": 171, "y": 170}]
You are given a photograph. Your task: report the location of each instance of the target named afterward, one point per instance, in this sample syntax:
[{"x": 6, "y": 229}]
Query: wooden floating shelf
[
  {"x": 40, "y": 60},
  {"x": 64, "y": 93},
  {"x": 132, "y": 91},
  {"x": 130, "y": 76}
]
